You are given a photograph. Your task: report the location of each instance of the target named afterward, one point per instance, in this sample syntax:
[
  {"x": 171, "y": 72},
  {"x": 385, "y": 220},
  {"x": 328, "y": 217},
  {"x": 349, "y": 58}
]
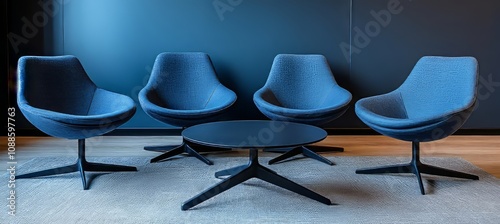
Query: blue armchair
[
  {"x": 435, "y": 101},
  {"x": 302, "y": 89},
  {"x": 56, "y": 96},
  {"x": 183, "y": 90}
]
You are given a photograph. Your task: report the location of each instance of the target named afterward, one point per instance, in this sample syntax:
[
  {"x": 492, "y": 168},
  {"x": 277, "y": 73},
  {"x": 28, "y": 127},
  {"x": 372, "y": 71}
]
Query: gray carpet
[{"x": 156, "y": 192}]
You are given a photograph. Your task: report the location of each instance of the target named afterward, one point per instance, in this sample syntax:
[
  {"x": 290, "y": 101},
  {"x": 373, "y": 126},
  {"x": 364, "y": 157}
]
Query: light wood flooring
[{"x": 482, "y": 151}]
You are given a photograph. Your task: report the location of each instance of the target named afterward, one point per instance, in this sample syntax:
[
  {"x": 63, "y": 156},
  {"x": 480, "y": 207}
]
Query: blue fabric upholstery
[
  {"x": 183, "y": 90},
  {"x": 302, "y": 88},
  {"x": 434, "y": 101},
  {"x": 56, "y": 95}
]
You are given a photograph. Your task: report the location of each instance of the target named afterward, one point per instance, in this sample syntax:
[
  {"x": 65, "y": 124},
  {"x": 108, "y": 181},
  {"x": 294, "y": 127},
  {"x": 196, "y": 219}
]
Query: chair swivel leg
[
  {"x": 81, "y": 165},
  {"x": 417, "y": 167},
  {"x": 306, "y": 151},
  {"x": 185, "y": 147}
]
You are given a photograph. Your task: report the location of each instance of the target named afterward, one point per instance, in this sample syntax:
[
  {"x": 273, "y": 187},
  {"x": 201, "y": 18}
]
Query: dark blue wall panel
[{"x": 118, "y": 40}]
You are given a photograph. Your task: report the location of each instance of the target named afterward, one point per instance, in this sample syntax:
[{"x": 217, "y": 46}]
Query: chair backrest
[
  {"x": 300, "y": 81},
  {"x": 55, "y": 83},
  {"x": 183, "y": 81},
  {"x": 440, "y": 85}
]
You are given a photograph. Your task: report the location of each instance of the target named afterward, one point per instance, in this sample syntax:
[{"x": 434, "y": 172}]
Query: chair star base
[
  {"x": 253, "y": 169},
  {"x": 308, "y": 151},
  {"x": 416, "y": 167},
  {"x": 185, "y": 147},
  {"x": 81, "y": 166}
]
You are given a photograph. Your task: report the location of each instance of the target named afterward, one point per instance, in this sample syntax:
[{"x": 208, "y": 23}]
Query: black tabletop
[{"x": 253, "y": 134}]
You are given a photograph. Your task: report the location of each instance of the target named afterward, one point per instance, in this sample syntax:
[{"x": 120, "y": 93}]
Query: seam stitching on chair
[
  {"x": 211, "y": 95},
  {"x": 91, "y": 101},
  {"x": 403, "y": 103},
  {"x": 326, "y": 95}
]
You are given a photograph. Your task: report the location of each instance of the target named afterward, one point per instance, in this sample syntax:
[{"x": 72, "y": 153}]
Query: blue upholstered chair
[
  {"x": 183, "y": 90},
  {"x": 435, "y": 100},
  {"x": 302, "y": 89},
  {"x": 56, "y": 96}
]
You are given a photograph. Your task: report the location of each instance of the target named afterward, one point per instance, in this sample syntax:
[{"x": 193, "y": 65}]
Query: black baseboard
[
  {"x": 478, "y": 132},
  {"x": 117, "y": 132},
  {"x": 177, "y": 131},
  {"x": 367, "y": 131},
  {"x": 146, "y": 132}
]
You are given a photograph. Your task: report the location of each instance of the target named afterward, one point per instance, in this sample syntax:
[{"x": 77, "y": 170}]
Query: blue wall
[{"x": 118, "y": 40}]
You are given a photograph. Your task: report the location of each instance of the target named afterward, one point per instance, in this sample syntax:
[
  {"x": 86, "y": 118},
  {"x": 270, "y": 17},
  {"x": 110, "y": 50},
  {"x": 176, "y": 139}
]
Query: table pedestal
[{"x": 253, "y": 169}]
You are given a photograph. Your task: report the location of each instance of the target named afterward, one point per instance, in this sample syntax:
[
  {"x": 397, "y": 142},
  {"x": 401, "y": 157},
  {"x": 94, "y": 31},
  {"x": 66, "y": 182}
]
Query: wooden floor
[{"x": 482, "y": 151}]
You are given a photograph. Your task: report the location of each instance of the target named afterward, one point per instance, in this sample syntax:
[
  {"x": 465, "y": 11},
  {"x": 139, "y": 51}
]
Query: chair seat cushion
[
  {"x": 272, "y": 108},
  {"x": 414, "y": 130},
  {"x": 220, "y": 101},
  {"x": 389, "y": 111},
  {"x": 108, "y": 110}
]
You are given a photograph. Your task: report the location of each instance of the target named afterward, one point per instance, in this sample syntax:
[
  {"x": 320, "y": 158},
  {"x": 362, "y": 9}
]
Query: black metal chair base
[
  {"x": 253, "y": 169},
  {"x": 310, "y": 151},
  {"x": 81, "y": 166},
  {"x": 185, "y": 147},
  {"x": 416, "y": 167}
]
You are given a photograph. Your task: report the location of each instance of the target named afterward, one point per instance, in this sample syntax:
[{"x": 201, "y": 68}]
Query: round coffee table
[{"x": 252, "y": 135}]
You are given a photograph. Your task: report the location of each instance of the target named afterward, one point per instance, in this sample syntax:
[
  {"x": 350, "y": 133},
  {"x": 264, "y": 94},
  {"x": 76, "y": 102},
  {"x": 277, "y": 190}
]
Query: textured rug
[{"x": 156, "y": 192}]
